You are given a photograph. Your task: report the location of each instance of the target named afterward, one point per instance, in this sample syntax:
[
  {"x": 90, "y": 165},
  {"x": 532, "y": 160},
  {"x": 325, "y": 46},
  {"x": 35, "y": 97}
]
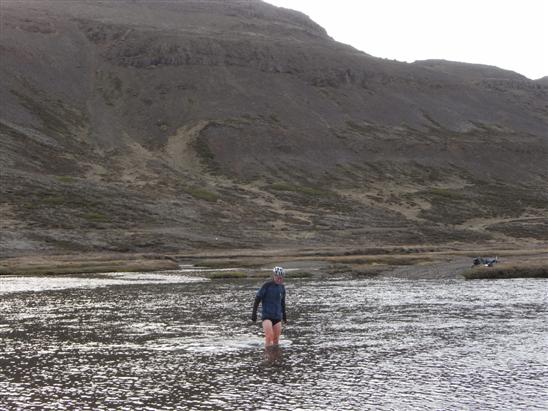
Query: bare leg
[
  {"x": 268, "y": 333},
  {"x": 276, "y": 331}
]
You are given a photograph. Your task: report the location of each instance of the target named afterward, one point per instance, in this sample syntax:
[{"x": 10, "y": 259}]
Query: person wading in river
[{"x": 272, "y": 298}]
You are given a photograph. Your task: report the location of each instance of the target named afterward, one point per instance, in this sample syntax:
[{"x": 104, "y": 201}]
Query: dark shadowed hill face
[
  {"x": 470, "y": 72},
  {"x": 140, "y": 125}
]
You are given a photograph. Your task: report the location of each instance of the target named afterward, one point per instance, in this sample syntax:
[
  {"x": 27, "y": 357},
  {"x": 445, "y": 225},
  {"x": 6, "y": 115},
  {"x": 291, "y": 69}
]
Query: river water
[{"x": 166, "y": 341}]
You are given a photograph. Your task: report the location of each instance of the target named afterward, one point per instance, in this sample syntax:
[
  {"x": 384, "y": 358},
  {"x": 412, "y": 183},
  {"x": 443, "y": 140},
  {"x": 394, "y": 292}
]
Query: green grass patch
[
  {"x": 55, "y": 116},
  {"x": 506, "y": 271},
  {"x": 274, "y": 117},
  {"x": 5, "y": 129},
  {"x": 205, "y": 153},
  {"x": 300, "y": 274},
  {"x": 53, "y": 200},
  {"x": 201, "y": 194},
  {"x": 66, "y": 179},
  {"x": 372, "y": 272},
  {"x": 386, "y": 260},
  {"x": 281, "y": 187},
  {"x": 51, "y": 120},
  {"x": 227, "y": 275},
  {"x": 95, "y": 217},
  {"x": 306, "y": 190},
  {"x": 223, "y": 263},
  {"x": 446, "y": 193},
  {"x": 238, "y": 121},
  {"x": 479, "y": 200},
  {"x": 58, "y": 267}
]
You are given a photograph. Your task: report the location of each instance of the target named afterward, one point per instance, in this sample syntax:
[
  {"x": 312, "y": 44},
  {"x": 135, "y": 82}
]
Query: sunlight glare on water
[{"x": 168, "y": 343}]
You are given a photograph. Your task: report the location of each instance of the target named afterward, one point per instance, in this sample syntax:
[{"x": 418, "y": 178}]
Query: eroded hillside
[{"x": 148, "y": 126}]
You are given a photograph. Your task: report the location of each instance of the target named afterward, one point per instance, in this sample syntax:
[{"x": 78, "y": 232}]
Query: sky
[{"x": 510, "y": 34}]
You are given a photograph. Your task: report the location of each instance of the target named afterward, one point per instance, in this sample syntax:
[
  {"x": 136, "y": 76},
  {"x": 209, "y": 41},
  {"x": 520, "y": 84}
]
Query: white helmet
[{"x": 278, "y": 271}]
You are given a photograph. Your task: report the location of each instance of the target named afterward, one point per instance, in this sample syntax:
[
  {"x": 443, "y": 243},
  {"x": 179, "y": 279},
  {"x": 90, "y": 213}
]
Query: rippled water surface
[{"x": 165, "y": 341}]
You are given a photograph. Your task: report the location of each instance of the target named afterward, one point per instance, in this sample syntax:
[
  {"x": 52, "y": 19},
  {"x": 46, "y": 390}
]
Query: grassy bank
[
  {"x": 408, "y": 262},
  {"x": 217, "y": 275},
  {"x": 507, "y": 271},
  {"x": 83, "y": 265}
]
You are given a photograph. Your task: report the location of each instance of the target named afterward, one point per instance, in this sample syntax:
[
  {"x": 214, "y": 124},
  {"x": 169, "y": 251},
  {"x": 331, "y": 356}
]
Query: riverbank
[
  {"x": 424, "y": 262},
  {"x": 85, "y": 264},
  {"x": 501, "y": 271}
]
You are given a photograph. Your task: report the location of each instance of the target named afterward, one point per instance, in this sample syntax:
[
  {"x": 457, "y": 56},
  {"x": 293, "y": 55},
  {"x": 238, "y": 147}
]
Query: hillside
[{"x": 132, "y": 125}]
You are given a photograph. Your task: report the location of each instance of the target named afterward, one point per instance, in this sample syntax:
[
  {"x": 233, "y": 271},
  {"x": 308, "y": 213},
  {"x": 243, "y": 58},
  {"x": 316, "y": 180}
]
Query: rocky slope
[{"x": 133, "y": 125}]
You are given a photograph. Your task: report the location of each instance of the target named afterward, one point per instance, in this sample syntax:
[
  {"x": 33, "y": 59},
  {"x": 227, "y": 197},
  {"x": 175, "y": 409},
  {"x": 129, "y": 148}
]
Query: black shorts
[{"x": 274, "y": 322}]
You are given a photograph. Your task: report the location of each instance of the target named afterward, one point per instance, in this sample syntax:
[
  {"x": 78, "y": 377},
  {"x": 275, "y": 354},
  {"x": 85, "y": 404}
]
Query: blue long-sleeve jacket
[{"x": 272, "y": 298}]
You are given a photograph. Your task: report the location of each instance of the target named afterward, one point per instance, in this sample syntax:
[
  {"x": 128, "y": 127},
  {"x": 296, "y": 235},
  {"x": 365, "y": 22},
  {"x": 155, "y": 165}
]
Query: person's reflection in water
[{"x": 273, "y": 355}]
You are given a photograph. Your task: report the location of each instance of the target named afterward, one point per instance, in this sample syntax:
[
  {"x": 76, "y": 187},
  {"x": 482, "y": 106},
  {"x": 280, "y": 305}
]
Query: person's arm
[
  {"x": 258, "y": 298},
  {"x": 255, "y": 306},
  {"x": 284, "y": 316}
]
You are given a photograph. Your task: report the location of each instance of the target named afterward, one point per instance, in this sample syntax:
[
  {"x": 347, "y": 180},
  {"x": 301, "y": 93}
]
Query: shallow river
[{"x": 166, "y": 341}]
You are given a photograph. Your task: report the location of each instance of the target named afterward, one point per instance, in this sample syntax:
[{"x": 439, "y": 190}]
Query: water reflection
[
  {"x": 273, "y": 355},
  {"x": 381, "y": 344}
]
